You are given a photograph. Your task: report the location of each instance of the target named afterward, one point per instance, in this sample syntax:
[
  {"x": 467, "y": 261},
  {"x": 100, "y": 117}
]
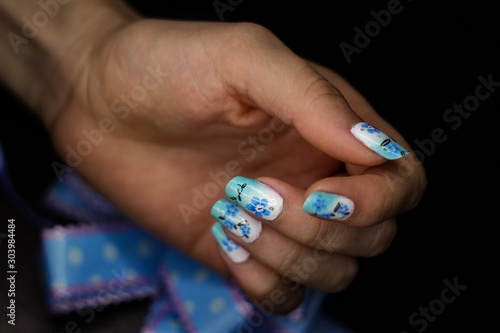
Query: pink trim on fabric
[
  {"x": 176, "y": 301},
  {"x": 92, "y": 301},
  {"x": 153, "y": 323},
  {"x": 83, "y": 229}
]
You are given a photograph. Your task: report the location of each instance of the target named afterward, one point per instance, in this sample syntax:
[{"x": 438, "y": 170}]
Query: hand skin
[{"x": 216, "y": 85}]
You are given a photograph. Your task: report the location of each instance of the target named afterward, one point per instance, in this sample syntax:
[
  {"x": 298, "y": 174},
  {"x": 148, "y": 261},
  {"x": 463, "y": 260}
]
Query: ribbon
[{"x": 107, "y": 259}]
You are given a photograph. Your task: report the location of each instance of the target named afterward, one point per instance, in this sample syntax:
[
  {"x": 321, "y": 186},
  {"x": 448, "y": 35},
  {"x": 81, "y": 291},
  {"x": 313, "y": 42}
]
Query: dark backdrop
[{"x": 427, "y": 59}]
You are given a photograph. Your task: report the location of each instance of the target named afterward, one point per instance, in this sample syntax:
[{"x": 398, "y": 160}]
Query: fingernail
[
  {"x": 328, "y": 206},
  {"x": 257, "y": 198},
  {"x": 378, "y": 141},
  {"x": 233, "y": 250},
  {"x": 236, "y": 220}
]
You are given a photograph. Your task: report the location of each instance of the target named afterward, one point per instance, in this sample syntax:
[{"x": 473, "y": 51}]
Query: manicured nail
[
  {"x": 328, "y": 206},
  {"x": 378, "y": 141},
  {"x": 236, "y": 220},
  {"x": 257, "y": 198},
  {"x": 233, "y": 250}
]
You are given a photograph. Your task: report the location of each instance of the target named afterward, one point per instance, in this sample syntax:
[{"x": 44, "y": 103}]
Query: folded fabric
[{"x": 103, "y": 258}]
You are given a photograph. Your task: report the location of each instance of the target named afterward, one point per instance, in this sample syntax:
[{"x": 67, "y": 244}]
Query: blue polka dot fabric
[
  {"x": 103, "y": 258},
  {"x": 89, "y": 265}
]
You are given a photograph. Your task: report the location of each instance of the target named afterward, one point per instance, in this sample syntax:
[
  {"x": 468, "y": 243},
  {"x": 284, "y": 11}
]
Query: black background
[{"x": 427, "y": 58}]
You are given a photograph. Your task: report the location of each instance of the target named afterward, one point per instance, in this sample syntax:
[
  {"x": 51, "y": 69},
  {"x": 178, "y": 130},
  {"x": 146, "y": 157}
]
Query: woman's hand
[{"x": 161, "y": 115}]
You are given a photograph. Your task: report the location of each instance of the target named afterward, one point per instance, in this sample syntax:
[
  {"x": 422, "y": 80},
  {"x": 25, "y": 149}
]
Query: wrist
[
  {"x": 71, "y": 52},
  {"x": 50, "y": 45}
]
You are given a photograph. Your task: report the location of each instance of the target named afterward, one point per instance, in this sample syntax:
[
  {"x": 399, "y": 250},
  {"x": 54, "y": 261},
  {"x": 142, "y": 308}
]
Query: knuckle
[
  {"x": 276, "y": 298},
  {"x": 329, "y": 236},
  {"x": 252, "y": 31},
  {"x": 343, "y": 275},
  {"x": 243, "y": 40},
  {"x": 379, "y": 207},
  {"x": 263, "y": 291},
  {"x": 418, "y": 189},
  {"x": 315, "y": 233},
  {"x": 385, "y": 233},
  {"x": 291, "y": 259},
  {"x": 318, "y": 89}
]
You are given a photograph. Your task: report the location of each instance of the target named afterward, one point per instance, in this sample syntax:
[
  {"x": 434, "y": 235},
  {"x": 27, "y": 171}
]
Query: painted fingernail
[
  {"x": 233, "y": 250},
  {"x": 257, "y": 198},
  {"x": 378, "y": 141},
  {"x": 328, "y": 206},
  {"x": 236, "y": 220}
]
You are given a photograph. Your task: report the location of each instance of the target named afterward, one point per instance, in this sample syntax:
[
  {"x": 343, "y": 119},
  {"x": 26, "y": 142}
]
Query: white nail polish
[
  {"x": 236, "y": 220},
  {"x": 233, "y": 250},
  {"x": 378, "y": 141}
]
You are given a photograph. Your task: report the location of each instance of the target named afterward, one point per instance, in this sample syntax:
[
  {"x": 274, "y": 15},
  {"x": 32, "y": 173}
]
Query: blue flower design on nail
[
  {"x": 229, "y": 224},
  {"x": 369, "y": 128},
  {"x": 342, "y": 210},
  {"x": 258, "y": 207},
  {"x": 328, "y": 206},
  {"x": 229, "y": 244},
  {"x": 319, "y": 204},
  {"x": 245, "y": 230},
  {"x": 392, "y": 146},
  {"x": 231, "y": 210}
]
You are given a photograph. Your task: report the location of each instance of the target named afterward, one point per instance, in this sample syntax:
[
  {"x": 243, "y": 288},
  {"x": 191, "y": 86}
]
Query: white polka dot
[
  {"x": 189, "y": 305},
  {"x": 58, "y": 284},
  {"x": 59, "y": 288},
  {"x": 217, "y": 305},
  {"x": 95, "y": 278},
  {"x": 174, "y": 323},
  {"x": 75, "y": 256},
  {"x": 175, "y": 276},
  {"x": 131, "y": 274},
  {"x": 201, "y": 275},
  {"x": 144, "y": 248},
  {"x": 110, "y": 252}
]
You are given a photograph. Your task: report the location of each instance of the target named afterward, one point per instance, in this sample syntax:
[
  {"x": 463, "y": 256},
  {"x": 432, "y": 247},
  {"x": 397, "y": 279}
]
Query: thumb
[{"x": 280, "y": 83}]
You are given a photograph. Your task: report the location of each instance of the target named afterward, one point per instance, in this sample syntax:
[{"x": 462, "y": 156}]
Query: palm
[{"x": 176, "y": 141}]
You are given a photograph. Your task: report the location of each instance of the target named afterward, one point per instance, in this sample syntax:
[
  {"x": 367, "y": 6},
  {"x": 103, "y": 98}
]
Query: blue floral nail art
[
  {"x": 258, "y": 207},
  {"x": 231, "y": 209},
  {"x": 378, "y": 141},
  {"x": 245, "y": 230},
  {"x": 229, "y": 244},
  {"x": 229, "y": 224},
  {"x": 328, "y": 206},
  {"x": 319, "y": 204},
  {"x": 236, "y": 220},
  {"x": 370, "y": 129},
  {"x": 233, "y": 250},
  {"x": 256, "y": 197}
]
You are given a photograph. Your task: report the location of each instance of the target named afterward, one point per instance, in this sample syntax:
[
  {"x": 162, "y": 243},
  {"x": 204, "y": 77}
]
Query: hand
[{"x": 164, "y": 114}]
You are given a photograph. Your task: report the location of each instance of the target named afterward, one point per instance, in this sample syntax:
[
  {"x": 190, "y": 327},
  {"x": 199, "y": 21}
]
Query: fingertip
[
  {"x": 341, "y": 199},
  {"x": 279, "y": 301},
  {"x": 329, "y": 206},
  {"x": 266, "y": 290},
  {"x": 378, "y": 141},
  {"x": 280, "y": 297},
  {"x": 232, "y": 250}
]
